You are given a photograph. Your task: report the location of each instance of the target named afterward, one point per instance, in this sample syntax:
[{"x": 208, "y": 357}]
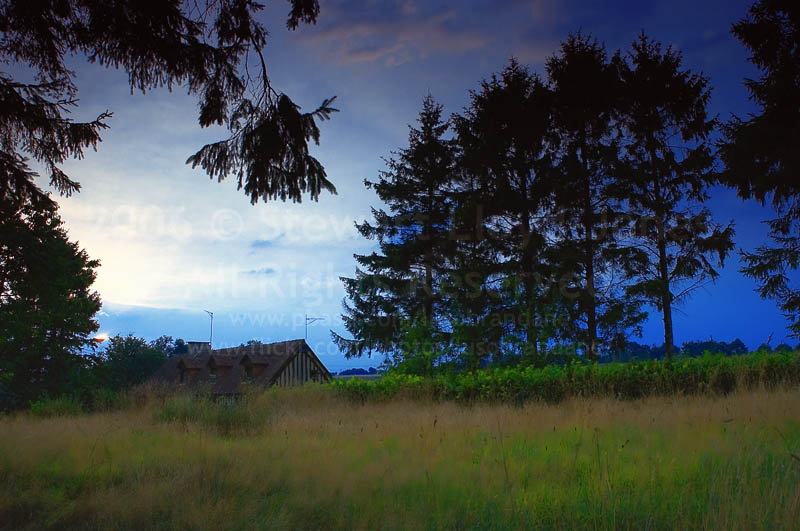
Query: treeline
[
  {"x": 545, "y": 217},
  {"x": 94, "y": 380},
  {"x": 543, "y": 220}
]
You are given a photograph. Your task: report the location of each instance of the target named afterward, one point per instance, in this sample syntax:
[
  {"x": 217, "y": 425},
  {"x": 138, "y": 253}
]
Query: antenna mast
[
  {"x": 211, "y": 336},
  {"x": 311, "y": 320}
]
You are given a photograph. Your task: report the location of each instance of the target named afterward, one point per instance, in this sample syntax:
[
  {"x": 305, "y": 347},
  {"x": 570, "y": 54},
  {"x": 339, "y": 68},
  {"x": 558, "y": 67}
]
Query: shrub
[
  {"x": 709, "y": 373},
  {"x": 62, "y": 406}
]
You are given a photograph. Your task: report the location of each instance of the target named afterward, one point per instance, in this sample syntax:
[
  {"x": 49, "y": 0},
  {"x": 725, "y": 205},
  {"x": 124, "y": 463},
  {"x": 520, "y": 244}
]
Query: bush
[
  {"x": 709, "y": 373},
  {"x": 63, "y": 406}
]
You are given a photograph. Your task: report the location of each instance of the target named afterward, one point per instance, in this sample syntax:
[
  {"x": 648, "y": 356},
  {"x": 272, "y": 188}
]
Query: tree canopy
[
  {"x": 47, "y": 307},
  {"x": 760, "y": 152},
  {"x": 208, "y": 47},
  {"x": 395, "y": 298},
  {"x": 558, "y": 215},
  {"x": 667, "y": 168}
]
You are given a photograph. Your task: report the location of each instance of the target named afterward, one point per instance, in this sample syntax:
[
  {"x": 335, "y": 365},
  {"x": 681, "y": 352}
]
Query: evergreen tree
[
  {"x": 397, "y": 290},
  {"x": 503, "y": 138},
  {"x": 760, "y": 153},
  {"x": 46, "y": 306},
  {"x": 587, "y": 102},
  {"x": 205, "y": 46},
  {"x": 473, "y": 300},
  {"x": 674, "y": 243}
]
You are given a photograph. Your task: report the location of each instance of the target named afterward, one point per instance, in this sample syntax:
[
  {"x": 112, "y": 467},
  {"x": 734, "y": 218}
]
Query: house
[{"x": 229, "y": 371}]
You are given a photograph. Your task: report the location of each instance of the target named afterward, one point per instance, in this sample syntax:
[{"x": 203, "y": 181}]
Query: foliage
[
  {"x": 399, "y": 287},
  {"x": 760, "y": 152},
  {"x": 46, "y": 306},
  {"x": 505, "y": 169},
  {"x": 129, "y": 361},
  {"x": 588, "y": 150},
  {"x": 710, "y": 373},
  {"x": 170, "y": 346},
  {"x": 558, "y": 214},
  {"x": 697, "y": 348},
  {"x": 206, "y": 47},
  {"x": 63, "y": 406},
  {"x": 667, "y": 169}
]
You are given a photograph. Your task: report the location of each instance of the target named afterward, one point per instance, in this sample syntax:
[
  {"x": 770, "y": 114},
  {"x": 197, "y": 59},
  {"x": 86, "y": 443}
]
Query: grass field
[{"x": 308, "y": 458}]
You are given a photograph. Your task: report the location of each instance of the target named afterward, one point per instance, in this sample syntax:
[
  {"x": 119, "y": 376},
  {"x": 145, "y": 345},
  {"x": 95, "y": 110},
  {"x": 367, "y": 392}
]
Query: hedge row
[{"x": 710, "y": 373}]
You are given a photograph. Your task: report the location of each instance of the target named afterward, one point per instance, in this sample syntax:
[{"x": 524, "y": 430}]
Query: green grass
[{"x": 307, "y": 458}]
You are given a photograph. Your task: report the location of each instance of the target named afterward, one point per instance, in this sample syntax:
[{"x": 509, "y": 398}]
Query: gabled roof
[{"x": 275, "y": 356}]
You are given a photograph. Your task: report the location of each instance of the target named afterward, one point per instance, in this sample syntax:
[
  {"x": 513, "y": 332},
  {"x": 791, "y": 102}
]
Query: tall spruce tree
[
  {"x": 475, "y": 303},
  {"x": 587, "y": 103},
  {"x": 396, "y": 292},
  {"x": 760, "y": 152},
  {"x": 669, "y": 167},
  {"x": 503, "y": 138},
  {"x": 47, "y": 307}
]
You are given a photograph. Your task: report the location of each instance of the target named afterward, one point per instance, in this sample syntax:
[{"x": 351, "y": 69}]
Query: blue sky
[{"x": 173, "y": 243}]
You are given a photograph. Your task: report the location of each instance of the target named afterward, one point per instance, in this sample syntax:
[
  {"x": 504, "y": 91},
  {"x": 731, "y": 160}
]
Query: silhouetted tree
[
  {"x": 129, "y": 361},
  {"x": 760, "y": 152},
  {"x": 46, "y": 306},
  {"x": 199, "y": 45},
  {"x": 667, "y": 169},
  {"x": 587, "y": 100},
  {"x": 697, "y": 348},
  {"x": 503, "y": 136},
  {"x": 474, "y": 302},
  {"x": 169, "y": 346},
  {"x": 397, "y": 292}
]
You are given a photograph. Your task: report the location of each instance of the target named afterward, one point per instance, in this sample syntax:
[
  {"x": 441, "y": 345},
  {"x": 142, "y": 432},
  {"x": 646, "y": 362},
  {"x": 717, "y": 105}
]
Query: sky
[{"x": 173, "y": 243}]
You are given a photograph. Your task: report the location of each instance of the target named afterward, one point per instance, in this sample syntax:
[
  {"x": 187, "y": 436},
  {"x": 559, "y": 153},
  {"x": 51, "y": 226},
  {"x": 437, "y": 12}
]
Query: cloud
[
  {"x": 535, "y": 52},
  {"x": 265, "y": 244},
  {"x": 261, "y": 271},
  {"x": 394, "y": 36}
]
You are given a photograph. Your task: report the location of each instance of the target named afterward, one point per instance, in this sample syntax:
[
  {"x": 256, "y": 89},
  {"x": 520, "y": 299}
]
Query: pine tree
[
  {"x": 46, "y": 306},
  {"x": 208, "y": 47},
  {"x": 476, "y": 307},
  {"x": 669, "y": 167},
  {"x": 397, "y": 290},
  {"x": 587, "y": 100},
  {"x": 761, "y": 154},
  {"x": 503, "y": 136}
]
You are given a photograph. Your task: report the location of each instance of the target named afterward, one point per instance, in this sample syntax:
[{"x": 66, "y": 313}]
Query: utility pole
[
  {"x": 211, "y": 337},
  {"x": 311, "y": 320}
]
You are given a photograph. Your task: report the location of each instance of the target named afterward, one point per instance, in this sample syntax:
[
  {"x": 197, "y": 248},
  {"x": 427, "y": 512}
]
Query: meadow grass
[{"x": 308, "y": 458}]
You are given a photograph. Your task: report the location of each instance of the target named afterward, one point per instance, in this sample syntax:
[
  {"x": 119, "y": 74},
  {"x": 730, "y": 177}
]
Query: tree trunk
[
  {"x": 531, "y": 336},
  {"x": 590, "y": 301},
  {"x": 428, "y": 291},
  {"x": 666, "y": 294},
  {"x": 428, "y": 238}
]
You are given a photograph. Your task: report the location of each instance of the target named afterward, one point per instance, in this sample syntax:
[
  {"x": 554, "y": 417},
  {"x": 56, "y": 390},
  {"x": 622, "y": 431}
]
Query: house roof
[{"x": 274, "y": 355}]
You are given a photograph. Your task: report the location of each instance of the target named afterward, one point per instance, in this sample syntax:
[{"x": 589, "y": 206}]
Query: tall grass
[{"x": 307, "y": 458}]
